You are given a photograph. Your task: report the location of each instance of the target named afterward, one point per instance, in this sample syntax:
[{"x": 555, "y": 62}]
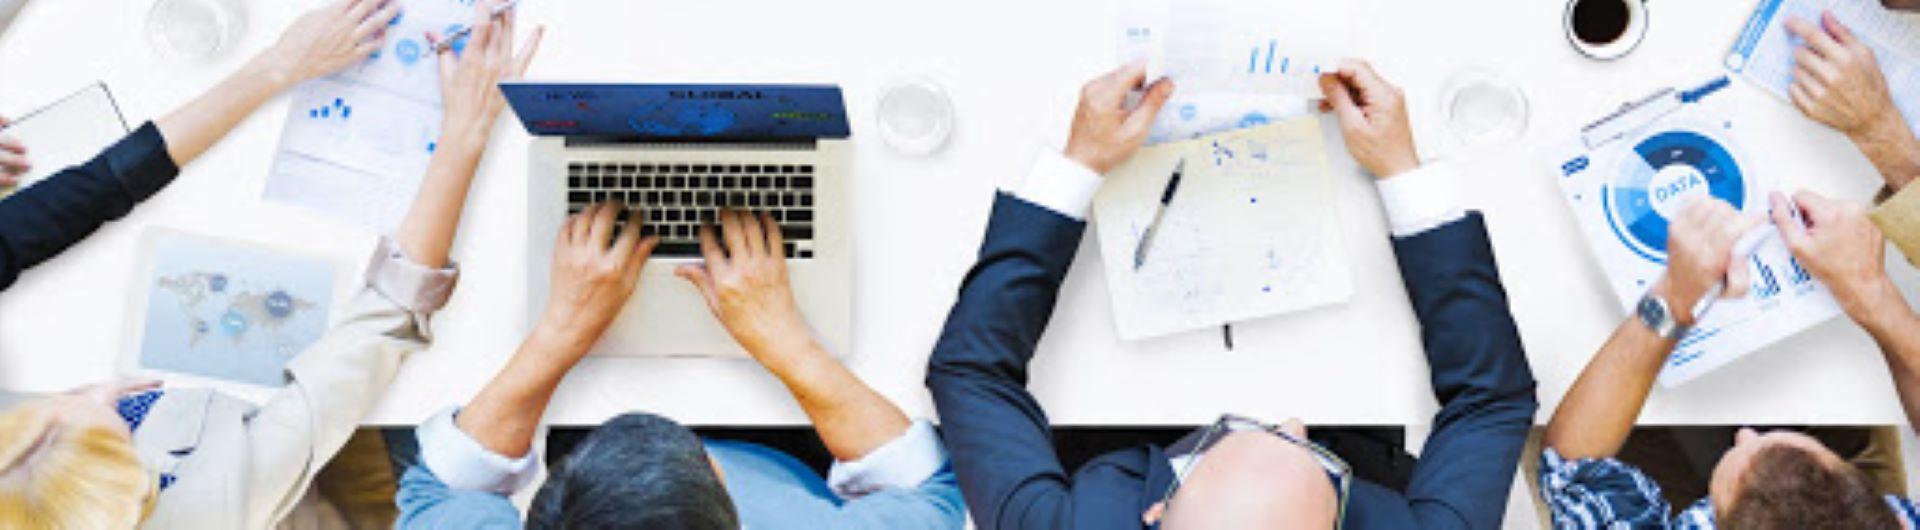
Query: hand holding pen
[{"x": 441, "y": 45}]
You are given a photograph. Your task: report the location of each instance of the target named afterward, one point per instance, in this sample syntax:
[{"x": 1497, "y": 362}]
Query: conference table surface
[{"x": 1013, "y": 70}]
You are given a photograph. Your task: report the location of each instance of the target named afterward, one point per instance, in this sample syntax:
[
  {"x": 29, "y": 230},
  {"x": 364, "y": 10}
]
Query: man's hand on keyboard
[
  {"x": 744, "y": 280},
  {"x": 595, "y": 268}
]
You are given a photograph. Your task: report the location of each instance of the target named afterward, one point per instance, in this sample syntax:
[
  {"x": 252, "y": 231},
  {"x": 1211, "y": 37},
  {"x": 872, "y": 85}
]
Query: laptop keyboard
[{"x": 677, "y": 198}]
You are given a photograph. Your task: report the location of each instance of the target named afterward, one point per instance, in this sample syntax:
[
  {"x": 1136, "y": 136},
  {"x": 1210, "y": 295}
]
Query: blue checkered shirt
[{"x": 1594, "y": 494}]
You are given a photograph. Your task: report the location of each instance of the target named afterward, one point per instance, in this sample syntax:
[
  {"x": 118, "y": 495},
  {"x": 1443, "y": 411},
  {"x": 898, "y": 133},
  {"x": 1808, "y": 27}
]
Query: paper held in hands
[
  {"x": 1236, "y": 64},
  {"x": 357, "y": 142},
  {"x": 1253, "y": 231}
]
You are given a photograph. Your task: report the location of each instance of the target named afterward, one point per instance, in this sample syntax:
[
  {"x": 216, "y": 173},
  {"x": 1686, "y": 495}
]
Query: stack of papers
[{"x": 1252, "y": 232}]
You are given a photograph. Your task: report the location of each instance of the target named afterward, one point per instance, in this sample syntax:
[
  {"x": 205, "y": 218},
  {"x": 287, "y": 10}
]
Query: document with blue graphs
[
  {"x": 1626, "y": 175},
  {"x": 357, "y": 142}
]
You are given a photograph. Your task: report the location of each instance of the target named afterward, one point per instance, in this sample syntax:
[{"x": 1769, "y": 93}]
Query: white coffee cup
[{"x": 1605, "y": 29}]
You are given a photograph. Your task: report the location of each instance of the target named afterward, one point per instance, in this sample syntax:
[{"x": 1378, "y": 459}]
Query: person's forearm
[
  {"x": 1598, "y": 413},
  {"x": 1886, "y": 316},
  {"x": 851, "y": 418},
  {"x": 504, "y": 416},
  {"x": 193, "y": 128},
  {"x": 1892, "y": 149},
  {"x": 426, "y": 234}
]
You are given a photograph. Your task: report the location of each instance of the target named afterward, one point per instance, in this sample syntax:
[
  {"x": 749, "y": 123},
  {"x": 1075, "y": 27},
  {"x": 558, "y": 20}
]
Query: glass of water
[
  {"x": 1482, "y": 108},
  {"x": 195, "y": 29}
]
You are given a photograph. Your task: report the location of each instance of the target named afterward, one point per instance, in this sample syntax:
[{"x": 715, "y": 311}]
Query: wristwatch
[{"x": 1656, "y": 315}]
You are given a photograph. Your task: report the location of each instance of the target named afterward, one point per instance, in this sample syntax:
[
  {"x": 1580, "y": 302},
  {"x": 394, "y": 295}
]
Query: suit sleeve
[
  {"x": 41, "y": 221},
  {"x": 1479, "y": 374},
  {"x": 998, "y": 435},
  {"x": 333, "y": 384}
]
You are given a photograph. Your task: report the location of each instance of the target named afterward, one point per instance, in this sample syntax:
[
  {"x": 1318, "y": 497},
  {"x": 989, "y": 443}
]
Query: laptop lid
[{"x": 680, "y": 113}]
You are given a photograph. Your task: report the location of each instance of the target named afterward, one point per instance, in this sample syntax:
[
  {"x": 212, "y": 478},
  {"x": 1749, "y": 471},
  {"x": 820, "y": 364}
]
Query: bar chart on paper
[
  {"x": 1221, "y": 45},
  {"x": 357, "y": 143}
]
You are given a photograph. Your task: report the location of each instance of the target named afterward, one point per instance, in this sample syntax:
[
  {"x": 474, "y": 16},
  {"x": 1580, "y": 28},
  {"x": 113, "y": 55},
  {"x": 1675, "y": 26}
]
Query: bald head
[{"x": 1254, "y": 479}]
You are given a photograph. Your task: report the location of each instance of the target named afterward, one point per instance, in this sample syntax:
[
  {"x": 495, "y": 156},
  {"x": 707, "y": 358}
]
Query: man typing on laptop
[{"x": 644, "y": 471}]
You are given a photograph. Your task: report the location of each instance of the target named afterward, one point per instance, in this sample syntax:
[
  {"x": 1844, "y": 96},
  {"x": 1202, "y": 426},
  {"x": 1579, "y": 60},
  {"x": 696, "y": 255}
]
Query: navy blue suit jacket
[
  {"x": 46, "y": 218},
  {"x": 1001, "y": 443}
]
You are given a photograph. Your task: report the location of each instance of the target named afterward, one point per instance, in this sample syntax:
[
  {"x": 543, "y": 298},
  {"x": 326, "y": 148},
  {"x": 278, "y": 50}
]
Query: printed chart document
[
  {"x": 1626, "y": 175},
  {"x": 1238, "y": 64},
  {"x": 1763, "y": 53},
  {"x": 1252, "y": 232},
  {"x": 67, "y": 133},
  {"x": 226, "y": 310},
  {"x": 357, "y": 143}
]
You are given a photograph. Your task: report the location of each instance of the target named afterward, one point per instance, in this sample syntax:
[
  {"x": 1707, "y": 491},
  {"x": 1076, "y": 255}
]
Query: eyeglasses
[{"x": 1337, "y": 470}]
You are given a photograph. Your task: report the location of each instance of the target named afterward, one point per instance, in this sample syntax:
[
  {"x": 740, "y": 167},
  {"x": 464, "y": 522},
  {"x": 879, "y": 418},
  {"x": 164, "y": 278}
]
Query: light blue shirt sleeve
[
  {"x": 907, "y": 483},
  {"x": 457, "y": 483},
  {"x": 426, "y": 503}
]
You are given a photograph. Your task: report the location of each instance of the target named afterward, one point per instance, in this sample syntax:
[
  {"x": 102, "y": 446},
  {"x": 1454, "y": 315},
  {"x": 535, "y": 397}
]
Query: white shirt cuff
[
  {"x": 1420, "y": 200},
  {"x": 414, "y": 286},
  {"x": 462, "y": 463},
  {"x": 1059, "y": 184},
  {"x": 902, "y": 464}
]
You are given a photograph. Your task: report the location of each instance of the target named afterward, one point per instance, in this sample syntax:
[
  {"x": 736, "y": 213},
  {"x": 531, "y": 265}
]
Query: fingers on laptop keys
[{"x": 737, "y": 234}]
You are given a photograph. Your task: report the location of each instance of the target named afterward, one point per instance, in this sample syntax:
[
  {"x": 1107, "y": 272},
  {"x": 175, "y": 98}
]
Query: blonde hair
[{"x": 53, "y": 478}]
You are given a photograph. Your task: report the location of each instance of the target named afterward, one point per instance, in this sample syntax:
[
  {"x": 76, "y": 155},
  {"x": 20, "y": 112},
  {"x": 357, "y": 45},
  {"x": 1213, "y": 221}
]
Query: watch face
[{"x": 1651, "y": 312}]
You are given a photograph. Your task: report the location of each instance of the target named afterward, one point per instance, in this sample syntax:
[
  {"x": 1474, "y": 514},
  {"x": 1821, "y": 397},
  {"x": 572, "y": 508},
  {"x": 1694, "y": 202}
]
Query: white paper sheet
[
  {"x": 1237, "y": 64},
  {"x": 1252, "y": 232},
  {"x": 357, "y": 142},
  {"x": 1237, "y": 46},
  {"x": 1763, "y": 53},
  {"x": 1623, "y": 191}
]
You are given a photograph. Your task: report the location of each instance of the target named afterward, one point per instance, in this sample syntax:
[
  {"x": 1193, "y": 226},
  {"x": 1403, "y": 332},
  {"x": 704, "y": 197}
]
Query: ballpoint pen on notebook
[
  {"x": 447, "y": 41},
  {"x": 1159, "y": 212}
]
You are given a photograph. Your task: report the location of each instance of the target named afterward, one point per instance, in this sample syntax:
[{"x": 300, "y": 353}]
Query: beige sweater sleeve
[{"x": 1898, "y": 215}]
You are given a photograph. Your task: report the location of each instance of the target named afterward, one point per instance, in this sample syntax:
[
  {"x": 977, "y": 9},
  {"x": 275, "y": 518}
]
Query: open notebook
[{"x": 1253, "y": 231}]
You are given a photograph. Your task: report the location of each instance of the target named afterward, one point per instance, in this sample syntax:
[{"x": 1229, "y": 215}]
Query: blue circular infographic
[{"x": 1668, "y": 168}]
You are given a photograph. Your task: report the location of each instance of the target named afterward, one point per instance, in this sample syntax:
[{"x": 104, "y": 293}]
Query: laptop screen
[{"x": 679, "y": 112}]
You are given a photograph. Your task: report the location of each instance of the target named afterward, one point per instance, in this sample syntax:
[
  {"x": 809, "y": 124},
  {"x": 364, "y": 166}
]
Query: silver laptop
[{"x": 677, "y": 154}]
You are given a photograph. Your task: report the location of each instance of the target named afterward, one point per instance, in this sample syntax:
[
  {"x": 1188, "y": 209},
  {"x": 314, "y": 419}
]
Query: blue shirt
[
  {"x": 1607, "y": 493},
  {"x": 905, "y": 484}
]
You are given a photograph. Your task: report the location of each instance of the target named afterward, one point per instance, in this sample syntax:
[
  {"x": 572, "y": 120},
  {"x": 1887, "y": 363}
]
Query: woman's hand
[
  {"x": 331, "y": 37},
  {"x": 469, "y": 80}
]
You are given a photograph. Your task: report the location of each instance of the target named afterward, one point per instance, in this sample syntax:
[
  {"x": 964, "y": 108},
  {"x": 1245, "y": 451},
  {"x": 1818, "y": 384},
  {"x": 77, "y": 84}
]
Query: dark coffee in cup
[
  {"x": 1600, "y": 22},
  {"x": 1606, "y": 29}
]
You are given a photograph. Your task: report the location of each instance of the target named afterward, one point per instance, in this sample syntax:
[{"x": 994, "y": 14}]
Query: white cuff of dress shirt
[
  {"x": 416, "y": 287},
  {"x": 1420, "y": 200},
  {"x": 1060, "y": 184},
  {"x": 463, "y": 464},
  {"x": 903, "y": 463}
]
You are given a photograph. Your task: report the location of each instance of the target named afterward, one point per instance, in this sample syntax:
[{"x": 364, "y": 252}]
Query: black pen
[{"x": 1166, "y": 197}]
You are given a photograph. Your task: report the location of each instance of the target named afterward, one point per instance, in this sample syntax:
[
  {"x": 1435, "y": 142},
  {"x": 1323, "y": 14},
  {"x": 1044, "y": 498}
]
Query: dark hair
[
  {"x": 635, "y": 471},
  {"x": 1789, "y": 488}
]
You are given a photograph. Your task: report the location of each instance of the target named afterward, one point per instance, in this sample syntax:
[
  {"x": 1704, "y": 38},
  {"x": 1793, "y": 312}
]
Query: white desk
[{"x": 1013, "y": 69}]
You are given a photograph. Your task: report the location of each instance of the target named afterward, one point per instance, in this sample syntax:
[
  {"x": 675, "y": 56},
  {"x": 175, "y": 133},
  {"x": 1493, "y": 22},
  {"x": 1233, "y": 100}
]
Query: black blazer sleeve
[
  {"x": 998, "y": 436},
  {"x": 1479, "y": 373},
  {"x": 48, "y": 217}
]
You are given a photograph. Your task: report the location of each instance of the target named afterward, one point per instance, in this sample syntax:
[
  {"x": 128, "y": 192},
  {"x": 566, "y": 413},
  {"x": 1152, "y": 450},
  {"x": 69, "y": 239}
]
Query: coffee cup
[{"x": 1606, "y": 29}]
